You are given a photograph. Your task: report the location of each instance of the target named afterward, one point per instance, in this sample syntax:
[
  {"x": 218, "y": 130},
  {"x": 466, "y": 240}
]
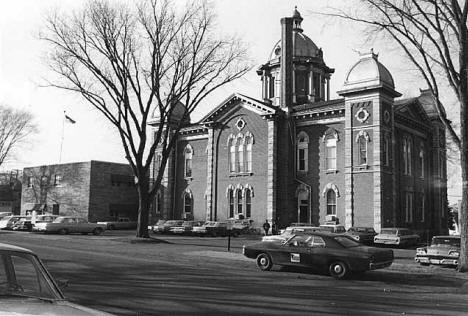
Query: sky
[{"x": 23, "y": 71}]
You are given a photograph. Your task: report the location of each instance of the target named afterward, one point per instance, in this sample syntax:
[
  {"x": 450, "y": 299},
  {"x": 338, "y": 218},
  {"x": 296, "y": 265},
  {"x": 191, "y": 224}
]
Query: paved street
[{"x": 197, "y": 276}]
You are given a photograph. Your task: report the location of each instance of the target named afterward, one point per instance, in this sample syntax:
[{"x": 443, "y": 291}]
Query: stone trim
[{"x": 271, "y": 170}]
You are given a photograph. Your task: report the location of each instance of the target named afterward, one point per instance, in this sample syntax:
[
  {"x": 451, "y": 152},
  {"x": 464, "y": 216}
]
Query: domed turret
[
  {"x": 176, "y": 115},
  {"x": 368, "y": 73},
  {"x": 303, "y": 64}
]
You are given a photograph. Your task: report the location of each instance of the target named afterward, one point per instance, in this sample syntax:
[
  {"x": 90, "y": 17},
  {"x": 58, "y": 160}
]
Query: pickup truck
[{"x": 120, "y": 223}]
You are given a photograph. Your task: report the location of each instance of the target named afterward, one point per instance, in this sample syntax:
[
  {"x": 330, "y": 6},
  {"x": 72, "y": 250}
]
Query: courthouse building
[{"x": 369, "y": 158}]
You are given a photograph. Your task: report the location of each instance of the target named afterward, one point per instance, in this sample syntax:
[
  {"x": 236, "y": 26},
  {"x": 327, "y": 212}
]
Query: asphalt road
[{"x": 198, "y": 276}]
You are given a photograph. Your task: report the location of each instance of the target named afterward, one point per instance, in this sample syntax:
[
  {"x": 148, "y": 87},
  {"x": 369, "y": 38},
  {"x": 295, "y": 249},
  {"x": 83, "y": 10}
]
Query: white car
[
  {"x": 289, "y": 232},
  {"x": 396, "y": 236}
]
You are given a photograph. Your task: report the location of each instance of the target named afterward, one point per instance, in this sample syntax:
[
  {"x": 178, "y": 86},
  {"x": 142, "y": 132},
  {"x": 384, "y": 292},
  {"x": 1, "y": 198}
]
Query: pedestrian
[{"x": 266, "y": 227}]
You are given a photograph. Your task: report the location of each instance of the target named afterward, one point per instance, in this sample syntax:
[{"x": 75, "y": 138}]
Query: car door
[{"x": 293, "y": 252}]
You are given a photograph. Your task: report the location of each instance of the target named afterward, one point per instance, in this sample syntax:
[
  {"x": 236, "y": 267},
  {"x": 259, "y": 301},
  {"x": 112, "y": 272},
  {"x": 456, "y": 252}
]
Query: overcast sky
[{"x": 22, "y": 70}]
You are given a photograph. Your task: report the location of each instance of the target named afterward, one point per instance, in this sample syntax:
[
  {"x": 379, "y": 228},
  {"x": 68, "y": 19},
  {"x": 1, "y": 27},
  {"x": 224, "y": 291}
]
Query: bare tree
[
  {"x": 15, "y": 128},
  {"x": 130, "y": 60},
  {"x": 433, "y": 34}
]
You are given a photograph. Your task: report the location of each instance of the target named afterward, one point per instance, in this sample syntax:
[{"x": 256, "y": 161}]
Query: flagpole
[{"x": 63, "y": 133}]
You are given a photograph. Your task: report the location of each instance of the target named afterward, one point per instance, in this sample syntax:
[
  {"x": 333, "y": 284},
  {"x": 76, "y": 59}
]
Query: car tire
[
  {"x": 111, "y": 227},
  {"x": 264, "y": 262},
  {"x": 424, "y": 264},
  {"x": 338, "y": 269},
  {"x": 63, "y": 231},
  {"x": 97, "y": 231}
]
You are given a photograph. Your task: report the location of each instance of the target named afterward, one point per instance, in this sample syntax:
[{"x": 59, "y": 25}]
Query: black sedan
[{"x": 338, "y": 254}]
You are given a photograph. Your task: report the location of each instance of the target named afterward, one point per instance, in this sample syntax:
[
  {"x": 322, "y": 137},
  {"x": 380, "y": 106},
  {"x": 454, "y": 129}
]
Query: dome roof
[
  {"x": 303, "y": 47},
  {"x": 177, "y": 113},
  {"x": 368, "y": 72}
]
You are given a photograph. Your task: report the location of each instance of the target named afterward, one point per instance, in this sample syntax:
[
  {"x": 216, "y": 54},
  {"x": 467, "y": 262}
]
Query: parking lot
[{"x": 180, "y": 275}]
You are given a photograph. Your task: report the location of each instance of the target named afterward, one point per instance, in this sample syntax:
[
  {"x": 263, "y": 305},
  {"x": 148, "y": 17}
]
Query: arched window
[
  {"x": 421, "y": 160},
  {"x": 362, "y": 145},
  {"x": 231, "y": 203},
  {"x": 331, "y": 202},
  {"x": 248, "y": 146},
  {"x": 302, "y": 151},
  {"x": 239, "y": 201},
  {"x": 407, "y": 155},
  {"x": 158, "y": 203},
  {"x": 248, "y": 203},
  {"x": 188, "y": 153},
  {"x": 188, "y": 202},
  {"x": 240, "y": 155},
  {"x": 385, "y": 150},
  {"x": 330, "y": 145},
  {"x": 232, "y": 154}
]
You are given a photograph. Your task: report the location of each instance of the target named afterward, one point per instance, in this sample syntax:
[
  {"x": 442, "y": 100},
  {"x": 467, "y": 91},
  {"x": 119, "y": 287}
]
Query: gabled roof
[
  {"x": 412, "y": 109},
  {"x": 258, "y": 106}
]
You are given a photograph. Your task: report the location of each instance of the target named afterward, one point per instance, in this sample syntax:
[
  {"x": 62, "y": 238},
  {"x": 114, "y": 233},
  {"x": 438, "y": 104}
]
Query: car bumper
[
  {"x": 380, "y": 265},
  {"x": 441, "y": 261},
  {"x": 386, "y": 242}
]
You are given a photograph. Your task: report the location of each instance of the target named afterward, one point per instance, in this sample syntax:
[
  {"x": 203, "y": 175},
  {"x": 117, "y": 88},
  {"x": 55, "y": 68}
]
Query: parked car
[
  {"x": 9, "y": 221},
  {"x": 397, "y": 237},
  {"x": 333, "y": 228},
  {"x": 363, "y": 235},
  {"x": 27, "y": 288},
  {"x": 165, "y": 227},
  {"x": 239, "y": 226},
  {"x": 154, "y": 228},
  {"x": 5, "y": 214},
  {"x": 215, "y": 229},
  {"x": 338, "y": 254},
  {"x": 185, "y": 228},
  {"x": 289, "y": 232},
  {"x": 120, "y": 223},
  {"x": 443, "y": 250},
  {"x": 23, "y": 224},
  {"x": 68, "y": 225},
  {"x": 201, "y": 230}
]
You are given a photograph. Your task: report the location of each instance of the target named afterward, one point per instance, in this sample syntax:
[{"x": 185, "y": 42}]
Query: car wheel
[
  {"x": 97, "y": 231},
  {"x": 338, "y": 270},
  {"x": 424, "y": 263},
  {"x": 264, "y": 262},
  {"x": 111, "y": 227},
  {"x": 63, "y": 231}
]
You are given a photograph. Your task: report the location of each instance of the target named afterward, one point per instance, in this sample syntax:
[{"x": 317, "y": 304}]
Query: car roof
[
  {"x": 14, "y": 248},
  {"x": 448, "y": 236}
]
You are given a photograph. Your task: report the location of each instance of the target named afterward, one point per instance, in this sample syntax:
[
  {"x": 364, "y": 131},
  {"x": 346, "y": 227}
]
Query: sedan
[
  {"x": 336, "y": 253},
  {"x": 443, "y": 250},
  {"x": 363, "y": 235},
  {"x": 69, "y": 224},
  {"x": 27, "y": 288},
  {"x": 397, "y": 237},
  {"x": 9, "y": 221}
]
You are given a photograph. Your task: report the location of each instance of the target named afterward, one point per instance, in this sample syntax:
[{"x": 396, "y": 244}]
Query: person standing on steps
[{"x": 266, "y": 227}]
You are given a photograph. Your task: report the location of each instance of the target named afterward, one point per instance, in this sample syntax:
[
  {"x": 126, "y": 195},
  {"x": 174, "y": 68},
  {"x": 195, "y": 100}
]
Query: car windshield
[
  {"x": 346, "y": 242},
  {"x": 359, "y": 229},
  {"x": 389, "y": 231},
  {"x": 22, "y": 274},
  {"x": 446, "y": 241}
]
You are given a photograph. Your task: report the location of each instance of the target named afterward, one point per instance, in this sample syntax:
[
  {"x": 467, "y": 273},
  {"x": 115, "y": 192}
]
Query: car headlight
[
  {"x": 454, "y": 253},
  {"x": 356, "y": 238},
  {"x": 420, "y": 251}
]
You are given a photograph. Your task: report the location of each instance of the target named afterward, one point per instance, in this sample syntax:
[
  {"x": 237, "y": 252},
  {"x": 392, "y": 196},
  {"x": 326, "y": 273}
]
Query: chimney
[{"x": 286, "y": 61}]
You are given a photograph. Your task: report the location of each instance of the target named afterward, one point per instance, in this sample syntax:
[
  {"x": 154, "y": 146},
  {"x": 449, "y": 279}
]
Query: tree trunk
[
  {"x": 143, "y": 209},
  {"x": 463, "y": 211}
]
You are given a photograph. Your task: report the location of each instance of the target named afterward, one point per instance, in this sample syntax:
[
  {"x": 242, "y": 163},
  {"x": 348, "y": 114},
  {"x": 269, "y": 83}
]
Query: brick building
[
  {"x": 368, "y": 158},
  {"x": 10, "y": 191},
  {"x": 95, "y": 190}
]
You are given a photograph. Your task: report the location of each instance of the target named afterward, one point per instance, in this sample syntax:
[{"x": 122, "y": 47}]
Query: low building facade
[{"x": 95, "y": 190}]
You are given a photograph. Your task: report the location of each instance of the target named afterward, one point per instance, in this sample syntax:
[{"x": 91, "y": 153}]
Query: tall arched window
[
  {"x": 385, "y": 150},
  {"x": 239, "y": 202},
  {"x": 407, "y": 155},
  {"x": 240, "y": 155},
  {"x": 331, "y": 202},
  {"x": 232, "y": 154},
  {"x": 158, "y": 203},
  {"x": 248, "y": 203},
  {"x": 248, "y": 146},
  {"x": 410, "y": 145},
  {"x": 188, "y": 153},
  {"x": 188, "y": 203},
  {"x": 302, "y": 151},
  {"x": 330, "y": 145},
  {"x": 421, "y": 160},
  {"x": 362, "y": 145},
  {"x": 231, "y": 203}
]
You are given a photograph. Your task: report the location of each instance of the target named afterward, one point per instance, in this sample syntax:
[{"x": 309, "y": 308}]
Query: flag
[{"x": 69, "y": 119}]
